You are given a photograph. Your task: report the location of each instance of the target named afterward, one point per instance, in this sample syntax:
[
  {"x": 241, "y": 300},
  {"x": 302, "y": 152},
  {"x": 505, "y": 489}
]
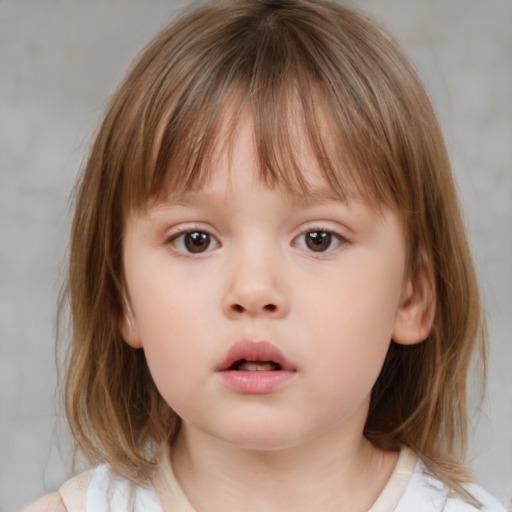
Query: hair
[{"x": 370, "y": 125}]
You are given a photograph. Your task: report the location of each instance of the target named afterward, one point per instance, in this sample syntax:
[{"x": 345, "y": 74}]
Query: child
[{"x": 273, "y": 301}]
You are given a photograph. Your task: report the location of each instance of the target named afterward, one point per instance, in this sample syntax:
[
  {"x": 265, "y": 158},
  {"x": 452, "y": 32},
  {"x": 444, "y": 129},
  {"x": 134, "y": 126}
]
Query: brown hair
[{"x": 277, "y": 58}]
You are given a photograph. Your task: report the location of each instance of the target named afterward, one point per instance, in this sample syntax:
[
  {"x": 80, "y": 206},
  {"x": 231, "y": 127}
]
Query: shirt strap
[
  {"x": 397, "y": 483},
  {"x": 74, "y": 492}
]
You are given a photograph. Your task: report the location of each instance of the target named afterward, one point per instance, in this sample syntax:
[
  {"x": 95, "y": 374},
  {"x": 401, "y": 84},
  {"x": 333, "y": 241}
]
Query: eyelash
[
  {"x": 334, "y": 238},
  {"x": 178, "y": 241}
]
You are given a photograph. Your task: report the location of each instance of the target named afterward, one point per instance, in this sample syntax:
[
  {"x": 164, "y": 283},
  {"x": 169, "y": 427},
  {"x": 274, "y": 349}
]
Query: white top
[{"x": 410, "y": 489}]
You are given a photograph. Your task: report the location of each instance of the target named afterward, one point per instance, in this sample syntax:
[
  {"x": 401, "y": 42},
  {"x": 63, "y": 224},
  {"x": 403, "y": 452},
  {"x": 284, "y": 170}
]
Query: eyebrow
[
  {"x": 317, "y": 196},
  {"x": 299, "y": 199},
  {"x": 312, "y": 197}
]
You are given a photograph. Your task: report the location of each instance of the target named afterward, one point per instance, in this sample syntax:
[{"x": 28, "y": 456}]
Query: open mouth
[
  {"x": 255, "y": 356},
  {"x": 255, "y": 367},
  {"x": 243, "y": 365}
]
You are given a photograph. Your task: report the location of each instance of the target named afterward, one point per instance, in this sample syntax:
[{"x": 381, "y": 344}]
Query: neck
[{"x": 322, "y": 474}]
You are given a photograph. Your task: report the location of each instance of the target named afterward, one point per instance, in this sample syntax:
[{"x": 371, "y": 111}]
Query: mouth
[
  {"x": 255, "y": 368},
  {"x": 255, "y": 356}
]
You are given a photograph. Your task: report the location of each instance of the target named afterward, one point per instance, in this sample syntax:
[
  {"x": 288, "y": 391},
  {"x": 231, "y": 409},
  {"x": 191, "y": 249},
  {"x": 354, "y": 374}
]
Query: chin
[{"x": 263, "y": 437}]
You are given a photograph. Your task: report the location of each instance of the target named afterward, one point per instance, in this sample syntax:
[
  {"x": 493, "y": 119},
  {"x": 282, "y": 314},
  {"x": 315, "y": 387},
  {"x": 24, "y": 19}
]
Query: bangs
[
  {"x": 306, "y": 92},
  {"x": 291, "y": 134}
]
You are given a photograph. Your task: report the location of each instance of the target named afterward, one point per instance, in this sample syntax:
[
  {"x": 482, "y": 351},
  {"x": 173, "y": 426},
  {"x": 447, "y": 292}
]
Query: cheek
[
  {"x": 173, "y": 357},
  {"x": 171, "y": 335},
  {"x": 353, "y": 317},
  {"x": 356, "y": 304},
  {"x": 168, "y": 304},
  {"x": 171, "y": 327}
]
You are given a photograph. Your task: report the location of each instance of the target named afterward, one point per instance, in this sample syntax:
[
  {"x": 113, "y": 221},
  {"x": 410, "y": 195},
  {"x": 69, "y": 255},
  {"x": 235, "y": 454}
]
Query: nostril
[{"x": 238, "y": 308}]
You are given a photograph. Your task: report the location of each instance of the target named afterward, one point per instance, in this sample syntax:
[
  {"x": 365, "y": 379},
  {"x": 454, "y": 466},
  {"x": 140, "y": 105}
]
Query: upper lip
[{"x": 258, "y": 351}]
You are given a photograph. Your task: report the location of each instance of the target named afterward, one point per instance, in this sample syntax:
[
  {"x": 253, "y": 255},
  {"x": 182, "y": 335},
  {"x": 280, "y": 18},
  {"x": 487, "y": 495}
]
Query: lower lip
[{"x": 256, "y": 382}]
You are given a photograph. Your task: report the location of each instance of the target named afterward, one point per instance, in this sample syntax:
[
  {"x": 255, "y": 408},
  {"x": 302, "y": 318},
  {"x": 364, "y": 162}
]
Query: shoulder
[
  {"x": 109, "y": 491},
  {"x": 98, "y": 490},
  {"x": 427, "y": 493},
  {"x": 49, "y": 503},
  {"x": 488, "y": 502},
  {"x": 104, "y": 490}
]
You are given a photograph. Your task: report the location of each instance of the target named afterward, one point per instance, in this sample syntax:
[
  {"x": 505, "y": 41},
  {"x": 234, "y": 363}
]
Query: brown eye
[
  {"x": 318, "y": 241},
  {"x": 197, "y": 241},
  {"x": 194, "y": 242}
]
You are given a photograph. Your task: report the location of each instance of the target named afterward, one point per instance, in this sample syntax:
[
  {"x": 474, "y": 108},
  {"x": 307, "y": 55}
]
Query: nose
[{"x": 256, "y": 288}]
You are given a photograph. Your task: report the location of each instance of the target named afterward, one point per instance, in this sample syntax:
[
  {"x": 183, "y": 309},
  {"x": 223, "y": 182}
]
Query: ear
[
  {"x": 127, "y": 324},
  {"x": 415, "y": 316}
]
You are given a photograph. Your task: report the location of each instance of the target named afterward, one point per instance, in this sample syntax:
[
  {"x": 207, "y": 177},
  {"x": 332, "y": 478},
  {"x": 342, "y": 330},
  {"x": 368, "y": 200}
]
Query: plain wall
[{"x": 59, "y": 63}]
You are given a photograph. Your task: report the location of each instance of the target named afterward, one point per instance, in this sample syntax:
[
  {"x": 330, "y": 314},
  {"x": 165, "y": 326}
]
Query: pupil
[
  {"x": 318, "y": 241},
  {"x": 197, "y": 241}
]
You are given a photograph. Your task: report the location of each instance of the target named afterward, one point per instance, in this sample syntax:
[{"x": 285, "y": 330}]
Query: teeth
[{"x": 256, "y": 366}]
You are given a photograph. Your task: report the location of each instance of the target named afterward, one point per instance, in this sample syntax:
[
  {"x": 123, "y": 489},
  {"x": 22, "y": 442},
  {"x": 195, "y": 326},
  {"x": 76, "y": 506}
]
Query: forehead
[
  {"x": 221, "y": 184},
  {"x": 304, "y": 167}
]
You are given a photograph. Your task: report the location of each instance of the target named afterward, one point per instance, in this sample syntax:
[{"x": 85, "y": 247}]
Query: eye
[
  {"x": 319, "y": 241},
  {"x": 194, "y": 242}
]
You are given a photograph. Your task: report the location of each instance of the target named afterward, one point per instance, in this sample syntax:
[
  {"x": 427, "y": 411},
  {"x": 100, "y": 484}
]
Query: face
[{"x": 264, "y": 316}]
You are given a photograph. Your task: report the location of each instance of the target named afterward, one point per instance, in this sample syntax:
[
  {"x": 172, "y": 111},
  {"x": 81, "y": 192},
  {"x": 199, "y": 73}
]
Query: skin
[
  {"x": 332, "y": 313},
  {"x": 49, "y": 503}
]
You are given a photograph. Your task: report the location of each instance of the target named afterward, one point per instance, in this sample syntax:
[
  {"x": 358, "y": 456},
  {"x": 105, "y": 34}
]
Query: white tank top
[{"x": 410, "y": 488}]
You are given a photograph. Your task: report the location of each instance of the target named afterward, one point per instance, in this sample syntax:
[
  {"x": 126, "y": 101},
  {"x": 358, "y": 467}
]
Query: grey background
[{"x": 60, "y": 61}]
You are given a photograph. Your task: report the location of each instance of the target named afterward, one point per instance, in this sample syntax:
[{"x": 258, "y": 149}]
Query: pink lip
[
  {"x": 255, "y": 382},
  {"x": 254, "y": 351}
]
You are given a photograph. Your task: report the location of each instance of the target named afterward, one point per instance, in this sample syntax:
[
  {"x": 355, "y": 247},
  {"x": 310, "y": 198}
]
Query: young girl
[{"x": 273, "y": 302}]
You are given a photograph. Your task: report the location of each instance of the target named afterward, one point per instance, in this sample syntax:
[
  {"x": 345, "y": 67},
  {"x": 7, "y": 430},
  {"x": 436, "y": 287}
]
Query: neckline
[
  {"x": 167, "y": 488},
  {"x": 395, "y": 487},
  {"x": 172, "y": 496}
]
